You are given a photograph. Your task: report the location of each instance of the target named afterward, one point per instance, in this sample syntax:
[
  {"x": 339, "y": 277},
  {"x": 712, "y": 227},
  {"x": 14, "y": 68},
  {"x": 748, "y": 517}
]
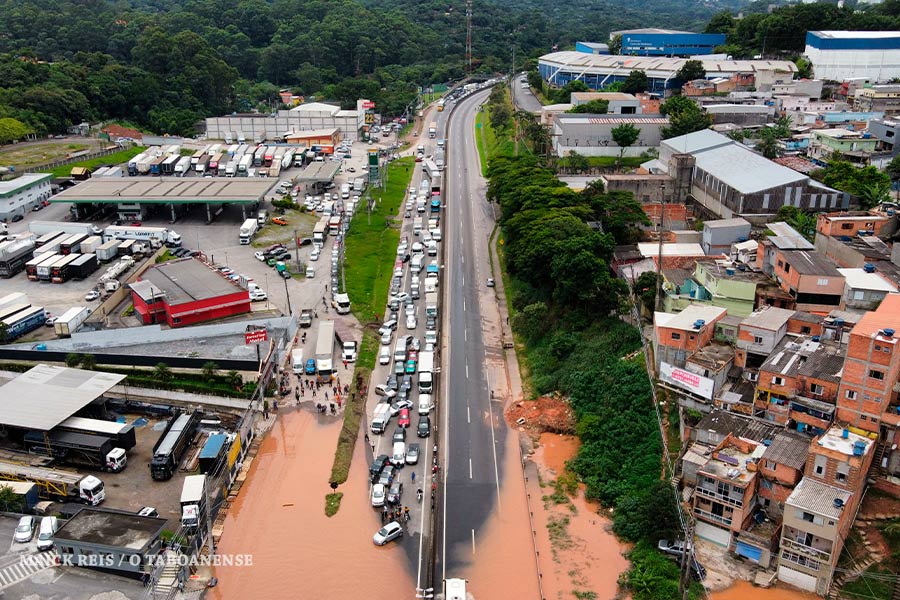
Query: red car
[{"x": 403, "y": 419}]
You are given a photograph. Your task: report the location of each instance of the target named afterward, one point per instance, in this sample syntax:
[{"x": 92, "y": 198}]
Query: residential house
[
  {"x": 592, "y": 135},
  {"x": 867, "y": 394},
  {"x": 677, "y": 336},
  {"x": 804, "y": 323},
  {"x": 851, "y": 223},
  {"x": 618, "y": 103},
  {"x": 820, "y": 511},
  {"x": 853, "y": 146},
  {"x": 798, "y": 384},
  {"x": 864, "y": 289},
  {"x": 725, "y": 497},
  {"x": 878, "y": 98},
  {"x": 705, "y": 372},
  {"x": 887, "y": 132},
  {"x": 717, "y": 282},
  {"x": 758, "y": 335},
  {"x": 781, "y": 466},
  {"x": 708, "y": 87},
  {"x": 720, "y": 234}
]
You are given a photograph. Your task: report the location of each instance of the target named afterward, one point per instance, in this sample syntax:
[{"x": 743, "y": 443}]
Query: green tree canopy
[
  {"x": 624, "y": 136},
  {"x": 685, "y": 116},
  {"x": 594, "y": 107},
  {"x": 636, "y": 82},
  {"x": 691, "y": 70}
]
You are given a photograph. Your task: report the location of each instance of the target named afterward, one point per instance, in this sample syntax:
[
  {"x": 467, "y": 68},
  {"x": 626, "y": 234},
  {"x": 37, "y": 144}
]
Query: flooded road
[
  {"x": 744, "y": 589},
  {"x": 279, "y": 518}
]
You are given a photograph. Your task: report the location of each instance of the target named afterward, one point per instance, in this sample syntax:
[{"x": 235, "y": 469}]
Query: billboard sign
[
  {"x": 368, "y": 104},
  {"x": 255, "y": 337},
  {"x": 696, "y": 384}
]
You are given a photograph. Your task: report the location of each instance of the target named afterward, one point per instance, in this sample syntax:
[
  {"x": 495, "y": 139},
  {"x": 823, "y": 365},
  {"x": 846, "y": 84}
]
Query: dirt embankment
[{"x": 547, "y": 414}]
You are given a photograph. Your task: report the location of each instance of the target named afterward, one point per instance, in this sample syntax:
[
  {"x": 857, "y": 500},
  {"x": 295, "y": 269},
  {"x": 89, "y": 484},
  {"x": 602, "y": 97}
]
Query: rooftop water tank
[
  {"x": 869, "y": 268},
  {"x": 699, "y": 323}
]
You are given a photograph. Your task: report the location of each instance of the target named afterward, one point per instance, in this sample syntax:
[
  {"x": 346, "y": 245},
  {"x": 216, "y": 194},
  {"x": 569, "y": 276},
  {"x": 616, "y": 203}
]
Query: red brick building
[{"x": 185, "y": 292}]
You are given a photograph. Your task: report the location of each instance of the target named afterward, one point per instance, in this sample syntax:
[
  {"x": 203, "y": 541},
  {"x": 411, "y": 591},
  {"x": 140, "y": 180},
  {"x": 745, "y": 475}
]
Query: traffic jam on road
[{"x": 401, "y": 420}]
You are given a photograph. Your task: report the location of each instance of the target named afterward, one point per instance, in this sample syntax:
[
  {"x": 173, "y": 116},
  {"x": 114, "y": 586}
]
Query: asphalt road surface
[
  {"x": 523, "y": 98},
  {"x": 471, "y": 440}
]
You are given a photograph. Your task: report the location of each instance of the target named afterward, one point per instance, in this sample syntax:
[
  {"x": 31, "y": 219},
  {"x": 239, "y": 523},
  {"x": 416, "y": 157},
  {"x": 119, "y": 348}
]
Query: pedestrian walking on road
[
  {"x": 297, "y": 395},
  {"x": 326, "y": 395},
  {"x": 413, "y": 476},
  {"x": 367, "y": 437},
  {"x": 345, "y": 364},
  {"x": 384, "y": 514}
]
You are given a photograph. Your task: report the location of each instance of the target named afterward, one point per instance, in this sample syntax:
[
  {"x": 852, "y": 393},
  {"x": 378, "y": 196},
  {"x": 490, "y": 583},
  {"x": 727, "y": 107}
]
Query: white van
[
  {"x": 400, "y": 348},
  {"x": 297, "y": 361},
  {"x": 425, "y": 404},
  {"x": 46, "y": 533},
  {"x": 425, "y": 380},
  {"x": 399, "y": 454},
  {"x": 262, "y": 217},
  {"x": 417, "y": 226},
  {"x": 310, "y": 272},
  {"x": 345, "y": 191},
  {"x": 418, "y": 260}
]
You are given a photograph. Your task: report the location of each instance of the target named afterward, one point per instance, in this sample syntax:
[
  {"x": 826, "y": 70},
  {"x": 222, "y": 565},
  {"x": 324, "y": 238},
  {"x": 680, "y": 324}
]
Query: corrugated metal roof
[
  {"x": 817, "y": 497},
  {"x": 45, "y": 396},
  {"x": 740, "y": 168}
]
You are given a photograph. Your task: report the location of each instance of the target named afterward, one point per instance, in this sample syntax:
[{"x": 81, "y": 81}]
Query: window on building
[
  {"x": 757, "y": 339},
  {"x": 875, "y": 374},
  {"x": 787, "y": 268},
  {"x": 816, "y": 389},
  {"x": 780, "y": 263},
  {"x": 778, "y": 381},
  {"x": 846, "y": 225},
  {"x": 859, "y": 295},
  {"x": 822, "y": 282},
  {"x": 842, "y": 473},
  {"x": 676, "y": 336},
  {"x": 807, "y": 517},
  {"x": 819, "y": 465},
  {"x": 805, "y": 329}
]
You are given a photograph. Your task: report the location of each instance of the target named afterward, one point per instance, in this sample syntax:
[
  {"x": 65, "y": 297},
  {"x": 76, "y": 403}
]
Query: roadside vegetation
[
  {"x": 565, "y": 305},
  {"x": 116, "y": 158},
  {"x": 370, "y": 252}
]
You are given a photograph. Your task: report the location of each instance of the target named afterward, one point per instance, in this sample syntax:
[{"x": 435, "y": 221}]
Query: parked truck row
[{"x": 222, "y": 160}]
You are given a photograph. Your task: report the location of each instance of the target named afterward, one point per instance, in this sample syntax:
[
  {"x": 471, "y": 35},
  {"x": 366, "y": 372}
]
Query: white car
[
  {"x": 418, "y": 248},
  {"x": 384, "y": 355},
  {"x": 386, "y": 339},
  {"x": 378, "y": 494},
  {"x": 92, "y": 295},
  {"x": 410, "y": 310},
  {"x": 389, "y": 532},
  {"x": 24, "y": 530},
  {"x": 436, "y": 234},
  {"x": 314, "y": 255},
  {"x": 411, "y": 322},
  {"x": 260, "y": 256},
  {"x": 257, "y": 295}
]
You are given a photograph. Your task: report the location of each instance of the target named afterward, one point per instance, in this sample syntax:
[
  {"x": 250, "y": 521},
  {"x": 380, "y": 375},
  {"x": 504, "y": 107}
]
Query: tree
[
  {"x": 689, "y": 71},
  {"x": 615, "y": 45},
  {"x": 636, "y": 82},
  {"x": 722, "y": 22},
  {"x": 234, "y": 379},
  {"x": 804, "y": 68},
  {"x": 88, "y": 362},
  {"x": 10, "y": 501},
  {"x": 619, "y": 212},
  {"x": 846, "y": 177},
  {"x": 564, "y": 94},
  {"x": 624, "y": 136},
  {"x": 893, "y": 169},
  {"x": 578, "y": 163},
  {"x": 767, "y": 145},
  {"x": 162, "y": 373},
  {"x": 685, "y": 116},
  {"x": 872, "y": 194},
  {"x": 12, "y": 130},
  {"x": 500, "y": 115},
  {"x": 72, "y": 360},
  {"x": 645, "y": 288},
  {"x": 803, "y": 223},
  {"x": 209, "y": 370},
  {"x": 594, "y": 107}
]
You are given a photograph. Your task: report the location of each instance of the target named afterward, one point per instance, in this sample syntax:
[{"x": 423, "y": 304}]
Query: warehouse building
[
  {"x": 18, "y": 196},
  {"x": 667, "y": 42},
  {"x": 186, "y": 291},
  {"x": 598, "y": 70},
  {"x": 315, "y": 116},
  {"x": 591, "y": 135},
  {"x": 841, "y": 55}
]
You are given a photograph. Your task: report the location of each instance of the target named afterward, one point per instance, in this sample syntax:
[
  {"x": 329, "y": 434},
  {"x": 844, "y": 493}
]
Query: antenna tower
[{"x": 469, "y": 37}]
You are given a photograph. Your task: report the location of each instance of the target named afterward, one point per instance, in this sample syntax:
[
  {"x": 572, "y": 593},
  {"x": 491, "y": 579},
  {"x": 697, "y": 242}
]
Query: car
[
  {"x": 16, "y": 218},
  {"x": 385, "y": 391},
  {"x": 423, "y": 430},
  {"x": 387, "y": 475},
  {"x": 400, "y": 297},
  {"x": 418, "y": 248},
  {"x": 377, "y": 467},
  {"x": 410, "y": 367},
  {"x": 431, "y": 322},
  {"x": 279, "y": 221},
  {"x": 37, "y": 207},
  {"x": 49, "y": 322},
  {"x": 304, "y": 241},
  {"x": 148, "y": 511},
  {"x": 403, "y": 417},
  {"x": 388, "y": 533},
  {"x": 378, "y": 493},
  {"x": 399, "y": 405},
  {"x": 410, "y": 310},
  {"x": 314, "y": 255},
  {"x": 674, "y": 548},
  {"x": 24, "y": 530},
  {"x": 412, "y": 454},
  {"x": 415, "y": 344},
  {"x": 399, "y": 435},
  {"x": 386, "y": 338},
  {"x": 285, "y": 274},
  {"x": 258, "y": 295},
  {"x": 406, "y": 383},
  {"x": 310, "y": 368},
  {"x": 92, "y": 295},
  {"x": 310, "y": 272},
  {"x": 429, "y": 347},
  {"x": 260, "y": 256},
  {"x": 395, "y": 493},
  {"x": 399, "y": 367},
  {"x": 389, "y": 325},
  {"x": 393, "y": 383},
  {"x": 411, "y": 322}
]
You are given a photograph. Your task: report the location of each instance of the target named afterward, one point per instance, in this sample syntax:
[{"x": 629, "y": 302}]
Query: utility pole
[{"x": 288, "y": 295}]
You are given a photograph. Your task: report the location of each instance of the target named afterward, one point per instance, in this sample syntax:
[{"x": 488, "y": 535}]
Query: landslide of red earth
[{"x": 546, "y": 414}]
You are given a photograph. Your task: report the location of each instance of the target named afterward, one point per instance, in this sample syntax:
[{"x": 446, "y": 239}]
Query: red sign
[
  {"x": 368, "y": 104},
  {"x": 255, "y": 337}
]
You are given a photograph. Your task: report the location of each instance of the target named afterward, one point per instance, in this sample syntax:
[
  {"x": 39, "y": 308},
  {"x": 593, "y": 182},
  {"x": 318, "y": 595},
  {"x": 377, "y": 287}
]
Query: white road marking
[
  {"x": 468, "y": 416},
  {"x": 473, "y": 541},
  {"x": 470, "y": 468}
]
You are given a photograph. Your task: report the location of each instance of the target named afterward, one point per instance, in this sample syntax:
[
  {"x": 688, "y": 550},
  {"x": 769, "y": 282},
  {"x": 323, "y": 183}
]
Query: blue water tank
[
  {"x": 889, "y": 333},
  {"x": 859, "y": 448},
  {"x": 845, "y": 433},
  {"x": 699, "y": 323},
  {"x": 729, "y": 271},
  {"x": 816, "y": 338},
  {"x": 869, "y": 268}
]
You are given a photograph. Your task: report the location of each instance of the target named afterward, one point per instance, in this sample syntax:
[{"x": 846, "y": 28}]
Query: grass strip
[{"x": 110, "y": 159}]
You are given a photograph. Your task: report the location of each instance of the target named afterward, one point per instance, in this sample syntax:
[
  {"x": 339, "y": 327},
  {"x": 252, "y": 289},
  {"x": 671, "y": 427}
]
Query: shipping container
[
  {"x": 59, "y": 271},
  {"x": 72, "y": 244},
  {"x": 83, "y": 266},
  {"x": 24, "y": 322}
]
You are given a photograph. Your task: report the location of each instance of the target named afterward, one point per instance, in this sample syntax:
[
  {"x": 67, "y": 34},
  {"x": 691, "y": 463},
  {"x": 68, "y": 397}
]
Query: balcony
[
  {"x": 795, "y": 546},
  {"x": 735, "y": 502},
  {"x": 711, "y": 517}
]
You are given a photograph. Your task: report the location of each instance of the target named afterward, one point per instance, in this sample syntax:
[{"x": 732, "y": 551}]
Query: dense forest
[{"x": 165, "y": 64}]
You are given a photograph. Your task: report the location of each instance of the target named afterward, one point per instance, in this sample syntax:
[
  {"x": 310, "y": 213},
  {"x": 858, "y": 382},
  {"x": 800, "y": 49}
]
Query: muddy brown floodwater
[
  {"x": 279, "y": 519},
  {"x": 742, "y": 590}
]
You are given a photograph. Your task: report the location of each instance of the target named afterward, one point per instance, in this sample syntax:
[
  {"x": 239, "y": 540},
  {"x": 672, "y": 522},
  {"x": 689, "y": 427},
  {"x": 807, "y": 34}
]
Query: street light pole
[{"x": 288, "y": 295}]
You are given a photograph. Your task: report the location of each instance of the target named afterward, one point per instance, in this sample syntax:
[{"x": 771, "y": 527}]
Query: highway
[
  {"x": 473, "y": 433},
  {"x": 523, "y": 98}
]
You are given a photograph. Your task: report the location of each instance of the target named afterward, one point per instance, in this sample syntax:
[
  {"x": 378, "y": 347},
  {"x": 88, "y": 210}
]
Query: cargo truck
[
  {"x": 156, "y": 236},
  {"x": 213, "y": 452},
  {"x": 202, "y": 164},
  {"x": 306, "y": 317},
  {"x": 432, "y": 130},
  {"x": 182, "y": 166},
  {"x": 72, "y": 244},
  {"x": 172, "y": 444},
  {"x": 107, "y": 251},
  {"x": 73, "y": 448},
  {"x": 341, "y": 304},
  {"x": 344, "y": 337},
  {"x": 320, "y": 231},
  {"x": 325, "y": 350},
  {"x": 133, "y": 163},
  {"x": 431, "y": 304},
  {"x": 64, "y": 486},
  {"x": 91, "y": 244},
  {"x": 248, "y": 230},
  {"x": 230, "y": 168},
  {"x": 71, "y": 320},
  {"x": 83, "y": 266},
  {"x": 243, "y": 168},
  {"x": 193, "y": 501},
  {"x": 45, "y": 268},
  {"x": 40, "y": 228},
  {"x": 23, "y": 322},
  {"x": 59, "y": 271},
  {"x": 426, "y": 372},
  {"x": 32, "y": 265},
  {"x": 15, "y": 255},
  {"x": 122, "y": 434}
]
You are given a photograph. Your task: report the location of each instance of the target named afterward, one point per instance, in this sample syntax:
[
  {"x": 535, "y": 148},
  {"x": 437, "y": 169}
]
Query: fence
[{"x": 73, "y": 159}]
